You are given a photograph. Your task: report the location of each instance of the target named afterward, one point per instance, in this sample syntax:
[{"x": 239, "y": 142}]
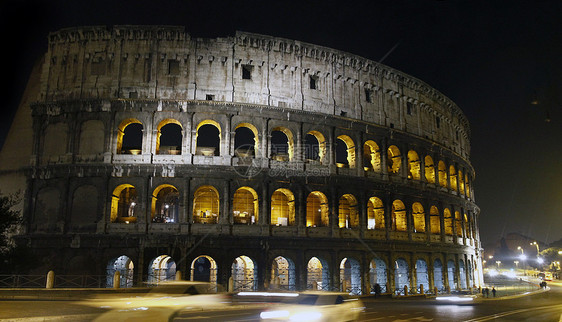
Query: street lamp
[
  {"x": 499, "y": 263},
  {"x": 521, "y": 249},
  {"x": 536, "y": 244},
  {"x": 516, "y": 264}
]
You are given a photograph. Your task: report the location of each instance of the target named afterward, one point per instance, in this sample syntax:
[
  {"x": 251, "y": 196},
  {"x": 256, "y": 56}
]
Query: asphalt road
[{"x": 545, "y": 306}]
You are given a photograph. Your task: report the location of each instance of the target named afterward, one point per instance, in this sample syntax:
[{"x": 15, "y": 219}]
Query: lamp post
[
  {"x": 537, "y": 245},
  {"x": 521, "y": 249},
  {"x": 499, "y": 263},
  {"x": 522, "y": 257}
]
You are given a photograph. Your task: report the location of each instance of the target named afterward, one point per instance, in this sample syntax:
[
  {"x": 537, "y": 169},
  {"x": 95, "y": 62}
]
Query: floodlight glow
[
  {"x": 306, "y": 316},
  {"x": 493, "y": 272},
  {"x": 522, "y": 257},
  {"x": 455, "y": 299},
  {"x": 274, "y": 314},
  {"x": 540, "y": 260}
]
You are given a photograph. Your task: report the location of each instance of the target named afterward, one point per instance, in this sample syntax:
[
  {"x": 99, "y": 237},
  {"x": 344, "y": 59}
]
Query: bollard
[
  {"x": 479, "y": 289},
  {"x": 436, "y": 290},
  {"x": 470, "y": 290},
  {"x": 178, "y": 275},
  {"x": 230, "y": 284},
  {"x": 448, "y": 289},
  {"x": 421, "y": 289},
  {"x": 116, "y": 279},
  {"x": 405, "y": 290},
  {"x": 315, "y": 286},
  {"x": 50, "y": 279}
]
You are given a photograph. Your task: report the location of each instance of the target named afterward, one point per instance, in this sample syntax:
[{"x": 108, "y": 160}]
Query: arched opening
[
  {"x": 169, "y": 137},
  {"x": 461, "y": 183},
  {"x": 467, "y": 185},
  {"x": 401, "y": 275},
  {"x": 418, "y": 215},
  {"x": 399, "y": 220},
  {"x": 378, "y": 275},
  {"x": 317, "y": 214},
  {"x": 345, "y": 152},
  {"x": 442, "y": 170},
  {"x": 208, "y": 138},
  {"x": 204, "y": 269},
  {"x": 458, "y": 224},
  {"x": 462, "y": 275},
  {"x": 246, "y": 141},
  {"x": 414, "y": 165},
  {"x": 282, "y": 208},
  {"x": 123, "y": 265},
  {"x": 165, "y": 204},
  {"x": 314, "y": 146},
  {"x": 282, "y": 144},
  {"x": 438, "y": 280},
  {"x": 347, "y": 212},
  {"x": 123, "y": 204},
  {"x": 394, "y": 160},
  {"x": 429, "y": 169},
  {"x": 244, "y": 274},
  {"x": 283, "y": 274},
  {"x": 422, "y": 276},
  {"x": 467, "y": 232},
  {"x": 245, "y": 206},
  {"x": 350, "y": 276},
  {"x": 448, "y": 222},
  {"x": 375, "y": 214},
  {"x": 434, "y": 220},
  {"x": 371, "y": 156},
  {"x": 453, "y": 177},
  {"x": 318, "y": 275},
  {"x": 451, "y": 275},
  {"x": 161, "y": 269},
  {"x": 206, "y": 205},
  {"x": 129, "y": 137}
]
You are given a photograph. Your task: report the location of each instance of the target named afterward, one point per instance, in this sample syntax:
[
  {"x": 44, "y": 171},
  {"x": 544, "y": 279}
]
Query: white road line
[{"x": 502, "y": 314}]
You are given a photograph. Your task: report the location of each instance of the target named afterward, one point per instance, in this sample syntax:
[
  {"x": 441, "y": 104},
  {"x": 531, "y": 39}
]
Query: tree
[{"x": 10, "y": 221}]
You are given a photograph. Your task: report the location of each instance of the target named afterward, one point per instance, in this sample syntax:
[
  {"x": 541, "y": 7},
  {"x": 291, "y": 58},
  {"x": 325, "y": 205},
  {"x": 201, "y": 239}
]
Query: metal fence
[{"x": 23, "y": 281}]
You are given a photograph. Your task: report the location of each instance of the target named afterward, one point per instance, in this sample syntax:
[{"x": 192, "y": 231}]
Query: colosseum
[{"x": 252, "y": 161}]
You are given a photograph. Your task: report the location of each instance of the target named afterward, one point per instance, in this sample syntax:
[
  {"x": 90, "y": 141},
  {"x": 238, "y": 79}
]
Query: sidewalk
[{"x": 507, "y": 288}]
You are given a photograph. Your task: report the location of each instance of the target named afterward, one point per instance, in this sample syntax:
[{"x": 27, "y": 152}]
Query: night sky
[{"x": 493, "y": 58}]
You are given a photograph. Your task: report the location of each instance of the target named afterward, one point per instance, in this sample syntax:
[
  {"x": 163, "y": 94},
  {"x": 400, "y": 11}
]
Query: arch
[
  {"x": 453, "y": 177},
  {"x": 461, "y": 182},
  {"x": 208, "y": 138},
  {"x": 84, "y": 205},
  {"x": 161, "y": 269},
  {"x": 244, "y": 274},
  {"x": 462, "y": 275},
  {"x": 317, "y": 212},
  {"x": 283, "y": 208},
  {"x": 345, "y": 151},
  {"x": 451, "y": 275},
  {"x": 246, "y": 140},
  {"x": 434, "y": 220},
  {"x": 429, "y": 169},
  {"x": 467, "y": 185},
  {"x": 347, "y": 212},
  {"x": 394, "y": 160},
  {"x": 56, "y": 139},
  {"x": 418, "y": 215},
  {"x": 169, "y": 137},
  {"x": 422, "y": 275},
  {"x": 438, "y": 280},
  {"x": 401, "y": 275},
  {"x": 165, "y": 204},
  {"x": 466, "y": 226},
  {"x": 318, "y": 274},
  {"x": 124, "y": 204},
  {"x": 204, "y": 269},
  {"x": 378, "y": 274},
  {"x": 375, "y": 214},
  {"x": 372, "y": 156},
  {"x": 124, "y": 265},
  {"x": 283, "y": 275},
  {"x": 282, "y": 144},
  {"x": 399, "y": 220},
  {"x": 315, "y": 146},
  {"x": 442, "y": 170},
  {"x": 245, "y": 206},
  {"x": 350, "y": 276},
  {"x": 92, "y": 138},
  {"x": 414, "y": 165},
  {"x": 206, "y": 205},
  {"x": 448, "y": 222},
  {"x": 458, "y": 224},
  {"x": 129, "y": 137},
  {"x": 47, "y": 206}
]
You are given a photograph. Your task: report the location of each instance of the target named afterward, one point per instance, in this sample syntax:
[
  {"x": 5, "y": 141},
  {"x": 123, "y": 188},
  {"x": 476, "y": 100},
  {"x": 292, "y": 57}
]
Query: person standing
[{"x": 494, "y": 291}]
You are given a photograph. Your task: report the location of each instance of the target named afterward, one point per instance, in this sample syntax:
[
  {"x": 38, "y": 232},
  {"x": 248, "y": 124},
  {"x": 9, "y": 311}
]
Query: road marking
[{"x": 502, "y": 314}]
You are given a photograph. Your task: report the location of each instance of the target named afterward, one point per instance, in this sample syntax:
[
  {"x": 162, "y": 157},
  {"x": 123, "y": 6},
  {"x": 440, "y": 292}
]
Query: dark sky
[{"x": 491, "y": 57}]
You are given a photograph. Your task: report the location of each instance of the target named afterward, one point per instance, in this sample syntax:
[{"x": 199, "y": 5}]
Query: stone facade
[{"x": 150, "y": 143}]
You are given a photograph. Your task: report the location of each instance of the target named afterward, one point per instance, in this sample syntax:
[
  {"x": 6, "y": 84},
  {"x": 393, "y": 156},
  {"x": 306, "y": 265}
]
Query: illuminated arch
[
  {"x": 429, "y": 169},
  {"x": 317, "y": 214},
  {"x": 350, "y": 150},
  {"x": 170, "y": 135},
  {"x": 434, "y": 220},
  {"x": 127, "y": 139},
  {"x": 399, "y": 220},
  {"x": 372, "y": 156},
  {"x": 283, "y": 275},
  {"x": 245, "y": 206},
  {"x": 244, "y": 274},
  {"x": 161, "y": 269},
  {"x": 378, "y": 274},
  {"x": 319, "y": 152},
  {"x": 414, "y": 165},
  {"x": 375, "y": 214},
  {"x": 206, "y": 205},
  {"x": 318, "y": 274},
  {"x": 204, "y": 269},
  {"x": 347, "y": 212},
  {"x": 124, "y": 265},
  {"x": 350, "y": 276},
  {"x": 461, "y": 182},
  {"x": 394, "y": 159},
  {"x": 442, "y": 170},
  {"x": 243, "y": 147},
  {"x": 418, "y": 215},
  {"x": 466, "y": 227},
  {"x": 214, "y": 145},
  {"x": 458, "y": 224},
  {"x": 123, "y": 204},
  {"x": 282, "y": 151},
  {"x": 448, "y": 222},
  {"x": 422, "y": 275},
  {"x": 165, "y": 204},
  {"x": 282, "y": 208},
  {"x": 467, "y": 185},
  {"x": 401, "y": 274},
  {"x": 453, "y": 177}
]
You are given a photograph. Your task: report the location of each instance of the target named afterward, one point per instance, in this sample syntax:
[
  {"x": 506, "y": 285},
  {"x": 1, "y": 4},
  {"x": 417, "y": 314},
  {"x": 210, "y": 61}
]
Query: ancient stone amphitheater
[{"x": 250, "y": 161}]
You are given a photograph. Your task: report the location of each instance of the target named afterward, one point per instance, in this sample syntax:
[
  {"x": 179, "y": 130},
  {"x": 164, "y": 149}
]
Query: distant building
[{"x": 250, "y": 161}]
